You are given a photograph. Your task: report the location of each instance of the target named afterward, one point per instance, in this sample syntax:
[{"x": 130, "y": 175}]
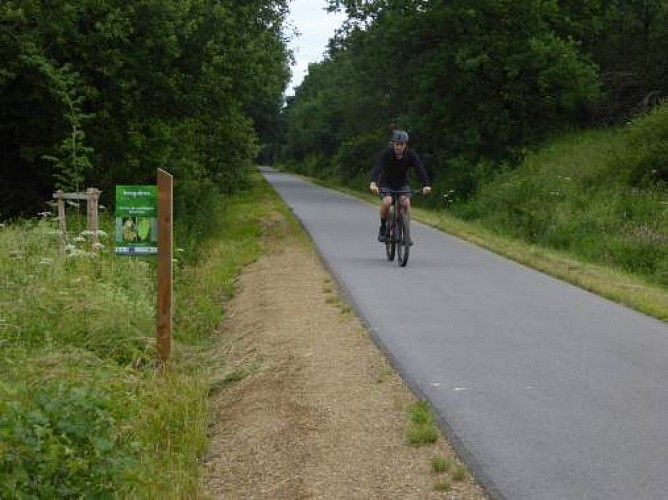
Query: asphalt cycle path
[{"x": 547, "y": 391}]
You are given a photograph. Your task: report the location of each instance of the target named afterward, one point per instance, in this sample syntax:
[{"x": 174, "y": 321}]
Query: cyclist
[{"x": 391, "y": 172}]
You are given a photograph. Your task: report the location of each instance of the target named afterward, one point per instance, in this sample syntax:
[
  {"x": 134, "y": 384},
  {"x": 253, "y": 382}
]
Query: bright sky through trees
[{"x": 315, "y": 27}]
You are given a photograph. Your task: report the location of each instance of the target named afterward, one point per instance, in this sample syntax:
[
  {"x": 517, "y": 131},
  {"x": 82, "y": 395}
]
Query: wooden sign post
[{"x": 165, "y": 251}]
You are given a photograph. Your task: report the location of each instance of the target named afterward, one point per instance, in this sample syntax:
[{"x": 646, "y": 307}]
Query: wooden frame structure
[{"x": 92, "y": 199}]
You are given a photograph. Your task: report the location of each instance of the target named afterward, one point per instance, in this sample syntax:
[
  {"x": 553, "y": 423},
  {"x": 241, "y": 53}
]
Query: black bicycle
[{"x": 398, "y": 233}]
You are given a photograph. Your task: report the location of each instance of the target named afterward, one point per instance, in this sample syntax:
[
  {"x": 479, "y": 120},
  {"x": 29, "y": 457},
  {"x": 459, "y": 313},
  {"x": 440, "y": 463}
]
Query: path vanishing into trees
[{"x": 547, "y": 391}]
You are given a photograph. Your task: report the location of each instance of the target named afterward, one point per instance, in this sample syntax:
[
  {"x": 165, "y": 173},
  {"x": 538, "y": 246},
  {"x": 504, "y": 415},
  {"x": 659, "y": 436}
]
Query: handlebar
[{"x": 393, "y": 192}]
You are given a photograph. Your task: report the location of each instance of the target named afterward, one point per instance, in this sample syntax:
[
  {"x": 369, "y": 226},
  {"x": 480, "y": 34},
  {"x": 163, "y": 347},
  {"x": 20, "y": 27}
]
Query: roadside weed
[
  {"x": 440, "y": 464},
  {"x": 422, "y": 428},
  {"x": 459, "y": 473}
]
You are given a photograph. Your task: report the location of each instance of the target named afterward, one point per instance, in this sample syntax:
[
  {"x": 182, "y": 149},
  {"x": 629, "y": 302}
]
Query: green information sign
[{"x": 136, "y": 220}]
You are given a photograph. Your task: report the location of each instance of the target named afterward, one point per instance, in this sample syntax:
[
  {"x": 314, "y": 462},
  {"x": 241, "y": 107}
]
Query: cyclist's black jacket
[{"x": 392, "y": 172}]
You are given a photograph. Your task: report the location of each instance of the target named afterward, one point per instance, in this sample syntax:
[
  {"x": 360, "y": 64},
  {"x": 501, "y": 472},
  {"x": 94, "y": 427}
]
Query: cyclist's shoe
[{"x": 381, "y": 234}]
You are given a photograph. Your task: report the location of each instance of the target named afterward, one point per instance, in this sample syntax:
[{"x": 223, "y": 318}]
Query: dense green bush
[
  {"x": 59, "y": 440},
  {"x": 356, "y": 157},
  {"x": 644, "y": 158}
]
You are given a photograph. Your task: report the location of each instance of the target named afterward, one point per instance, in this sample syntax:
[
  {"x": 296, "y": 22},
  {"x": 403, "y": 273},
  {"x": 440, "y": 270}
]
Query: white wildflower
[{"x": 98, "y": 233}]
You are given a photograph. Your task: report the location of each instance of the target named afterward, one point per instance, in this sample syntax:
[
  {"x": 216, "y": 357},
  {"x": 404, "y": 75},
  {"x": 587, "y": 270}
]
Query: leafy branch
[{"x": 71, "y": 157}]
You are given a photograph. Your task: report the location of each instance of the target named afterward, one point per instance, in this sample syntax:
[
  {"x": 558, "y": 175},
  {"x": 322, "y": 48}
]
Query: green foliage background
[
  {"x": 476, "y": 83},
  {"x": 99, "y": 93}
]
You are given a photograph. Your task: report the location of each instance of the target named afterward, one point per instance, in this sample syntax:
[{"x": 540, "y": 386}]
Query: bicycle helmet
[{"x": 399, "y": 136}]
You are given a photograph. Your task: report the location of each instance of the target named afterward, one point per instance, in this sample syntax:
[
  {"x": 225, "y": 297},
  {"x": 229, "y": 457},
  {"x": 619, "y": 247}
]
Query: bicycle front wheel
[
  {"x": 390, "y": 237},
  {"x": 403, "y": 239}
]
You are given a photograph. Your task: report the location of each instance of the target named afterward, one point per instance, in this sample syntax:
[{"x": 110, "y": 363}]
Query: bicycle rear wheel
[
  {"x": 391, "y": 237},
  {"x": 403, "y": 239}
]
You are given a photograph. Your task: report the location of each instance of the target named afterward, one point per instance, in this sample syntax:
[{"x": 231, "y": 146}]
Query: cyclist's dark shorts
[{"x": 384, "y": 189}]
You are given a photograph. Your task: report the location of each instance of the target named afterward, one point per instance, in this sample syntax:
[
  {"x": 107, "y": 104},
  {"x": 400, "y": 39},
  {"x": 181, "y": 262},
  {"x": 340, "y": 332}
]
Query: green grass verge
[
  {"x": 623, "y": 287},
  {"x": 83, "y": 413}
]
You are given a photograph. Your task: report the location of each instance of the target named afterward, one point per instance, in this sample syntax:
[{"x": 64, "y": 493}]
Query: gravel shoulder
[{"x": 306, "y": 406}]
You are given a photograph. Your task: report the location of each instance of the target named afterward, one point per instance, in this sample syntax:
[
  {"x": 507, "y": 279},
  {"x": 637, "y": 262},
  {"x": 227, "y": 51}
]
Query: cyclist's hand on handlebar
[
  {"x": 373, "y": 187},
  {"x": 426, "y": 190}
]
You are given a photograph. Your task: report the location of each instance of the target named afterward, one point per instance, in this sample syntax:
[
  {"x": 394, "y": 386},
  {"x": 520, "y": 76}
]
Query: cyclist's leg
[
  {"x": 385, "y": 203},
  {"x": 384, "y": 210}
]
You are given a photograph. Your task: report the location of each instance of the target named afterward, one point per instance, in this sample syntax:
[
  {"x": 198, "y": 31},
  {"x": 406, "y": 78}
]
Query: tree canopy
[
  {"x": 103, "y": 92},
  {"x": 475, "y": 82}
]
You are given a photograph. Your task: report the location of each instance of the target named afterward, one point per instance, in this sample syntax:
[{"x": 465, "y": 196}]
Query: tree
[
  {"x": 104, "y": 92},
  {"x": 474, "y": 81}
]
